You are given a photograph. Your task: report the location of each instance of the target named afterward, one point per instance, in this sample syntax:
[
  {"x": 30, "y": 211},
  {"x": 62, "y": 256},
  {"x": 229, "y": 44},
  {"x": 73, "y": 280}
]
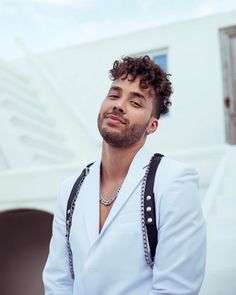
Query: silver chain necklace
[{"x": 108, "y": 202}]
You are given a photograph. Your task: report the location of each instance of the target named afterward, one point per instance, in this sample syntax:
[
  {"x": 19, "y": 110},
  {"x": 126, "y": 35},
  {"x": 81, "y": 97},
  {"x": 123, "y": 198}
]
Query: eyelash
[
  {"x": 113, "y": 96},
  {"x": 135, "y": 104}
]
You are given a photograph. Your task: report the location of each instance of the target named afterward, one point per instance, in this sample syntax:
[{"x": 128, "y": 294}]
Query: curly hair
[{"x": 151, "y": 75}]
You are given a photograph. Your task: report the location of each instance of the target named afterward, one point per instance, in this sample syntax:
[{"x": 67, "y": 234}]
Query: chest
[
  {"x": 103, "y": 214},
  {"x": 109, "y": 192}
]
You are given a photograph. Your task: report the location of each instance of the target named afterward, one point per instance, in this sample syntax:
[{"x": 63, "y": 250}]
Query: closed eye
[
  {"x": 136, "y": 104},
  {"x": 112, "y": 96}
]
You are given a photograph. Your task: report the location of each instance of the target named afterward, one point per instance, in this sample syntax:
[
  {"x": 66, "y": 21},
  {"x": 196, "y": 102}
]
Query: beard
[{"x": 126, "y": 136}]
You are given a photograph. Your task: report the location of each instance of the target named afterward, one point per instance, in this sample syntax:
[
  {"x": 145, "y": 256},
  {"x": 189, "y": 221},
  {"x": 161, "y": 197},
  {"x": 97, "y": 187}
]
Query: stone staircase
[
  {"x": 220, "y": 278},
  {"x": 42, "y": 140},
  {"x": 36, "y": 127}
]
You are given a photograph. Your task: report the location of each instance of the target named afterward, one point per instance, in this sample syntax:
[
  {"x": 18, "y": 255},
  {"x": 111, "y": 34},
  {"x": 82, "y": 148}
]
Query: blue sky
[{"x": 42, "y": 25}]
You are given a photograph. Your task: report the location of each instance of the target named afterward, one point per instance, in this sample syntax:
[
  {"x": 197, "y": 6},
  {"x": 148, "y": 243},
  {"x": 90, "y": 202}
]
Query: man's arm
[
  {"x": 56, "y": 275},
  {"x": 180, "y": 255}
]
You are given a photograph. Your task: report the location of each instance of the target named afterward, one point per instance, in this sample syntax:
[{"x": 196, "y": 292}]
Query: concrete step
[
  {"x": 224, "y": 206},
  {"x": 231, "y": 163},
  {"x": 225, "y": 200},
  {"x": 223, "y": 228},
  {"x": 229, "y": 185},
  {"x": 220, "y": 275},
  {"x": 219, "y": 282},
  {"x": 221, "y": 255},
  {"x": 225, "y": 209},
  {"x": 226, "y": 197}
]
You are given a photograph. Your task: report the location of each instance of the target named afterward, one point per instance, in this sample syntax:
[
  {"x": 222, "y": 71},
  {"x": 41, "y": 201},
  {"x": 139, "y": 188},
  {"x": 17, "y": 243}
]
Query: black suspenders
[{"x": 149, "y": 207}]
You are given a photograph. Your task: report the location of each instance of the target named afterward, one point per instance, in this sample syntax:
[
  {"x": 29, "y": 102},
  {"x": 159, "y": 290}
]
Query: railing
[
  {"x": 32, "y": 132},
  {"x": 17, "y": 185},
  {"x": 34, "y": 187}
]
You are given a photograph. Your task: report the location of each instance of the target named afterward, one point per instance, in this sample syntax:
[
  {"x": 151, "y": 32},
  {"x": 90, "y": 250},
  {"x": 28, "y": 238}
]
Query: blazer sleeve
[
  {"x": 181, "y": 251},
  {"x": 56, "y": 274}
]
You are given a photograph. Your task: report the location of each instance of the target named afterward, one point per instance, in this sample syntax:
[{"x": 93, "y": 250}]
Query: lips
[{"x": 115, "y": 119}]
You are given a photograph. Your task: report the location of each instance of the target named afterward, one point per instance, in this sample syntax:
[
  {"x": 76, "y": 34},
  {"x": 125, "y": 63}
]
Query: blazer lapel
[{"x": 135, "y": 174}]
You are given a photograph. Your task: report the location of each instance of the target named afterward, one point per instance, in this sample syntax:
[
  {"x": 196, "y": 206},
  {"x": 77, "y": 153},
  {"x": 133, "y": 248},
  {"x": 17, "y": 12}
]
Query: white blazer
[{"x": 112, "y": 262}]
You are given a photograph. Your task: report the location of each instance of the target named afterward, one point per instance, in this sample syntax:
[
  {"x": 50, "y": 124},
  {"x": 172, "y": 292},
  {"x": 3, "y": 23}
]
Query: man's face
[{"x": 125, "y": 117}]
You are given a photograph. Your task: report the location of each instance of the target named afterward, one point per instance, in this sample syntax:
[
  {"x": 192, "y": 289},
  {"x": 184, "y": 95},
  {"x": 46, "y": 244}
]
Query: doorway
[
  {"x": 228, "y": 56},
  {"x": 25, "y": 236}
]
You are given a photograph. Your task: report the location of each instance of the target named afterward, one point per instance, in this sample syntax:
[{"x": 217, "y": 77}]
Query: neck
[{"x": 116, "y": 161}]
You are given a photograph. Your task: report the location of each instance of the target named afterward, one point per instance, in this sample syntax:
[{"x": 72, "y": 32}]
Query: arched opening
[{"x": 25, "y": 236}]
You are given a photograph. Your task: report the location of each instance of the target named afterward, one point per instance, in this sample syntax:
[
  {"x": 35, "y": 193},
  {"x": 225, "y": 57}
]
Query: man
[{"x": 107, "y": 237}]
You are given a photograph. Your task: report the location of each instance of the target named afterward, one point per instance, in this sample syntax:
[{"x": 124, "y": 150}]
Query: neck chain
[{"x": 108, "y": 202}]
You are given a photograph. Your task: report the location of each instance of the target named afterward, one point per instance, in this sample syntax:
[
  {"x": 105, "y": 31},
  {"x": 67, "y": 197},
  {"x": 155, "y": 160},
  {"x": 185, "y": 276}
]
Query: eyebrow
[
  {"x": 115, "y": 88},
  {"x": 139, "y": 95},
  {"x": 133, "y": 93}
]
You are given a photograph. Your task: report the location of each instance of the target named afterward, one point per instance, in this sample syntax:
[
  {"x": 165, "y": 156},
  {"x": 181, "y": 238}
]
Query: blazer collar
[{"x": 133, "y": 178}]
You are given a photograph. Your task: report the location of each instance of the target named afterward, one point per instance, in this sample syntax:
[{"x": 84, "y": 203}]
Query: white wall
[
  {"x": 76, "y": 81},
  {"x": 196, "y": 118},
  {"x": 37, "y": 124}
]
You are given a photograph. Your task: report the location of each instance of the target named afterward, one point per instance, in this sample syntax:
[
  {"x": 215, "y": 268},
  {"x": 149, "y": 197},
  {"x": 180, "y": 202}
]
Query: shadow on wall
[{"x": 25, "y": 236}]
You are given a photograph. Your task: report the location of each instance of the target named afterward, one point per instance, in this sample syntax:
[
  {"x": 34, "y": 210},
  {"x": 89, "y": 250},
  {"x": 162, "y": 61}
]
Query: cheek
[
  {"x": 144, "y": 116},
  {"x": 104, "y": 106},
  {"x": 101, "y": 111}
]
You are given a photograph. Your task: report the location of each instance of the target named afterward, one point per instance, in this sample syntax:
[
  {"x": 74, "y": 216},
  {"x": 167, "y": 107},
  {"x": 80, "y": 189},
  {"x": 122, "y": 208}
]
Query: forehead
[{"x": 133, "y": 85}]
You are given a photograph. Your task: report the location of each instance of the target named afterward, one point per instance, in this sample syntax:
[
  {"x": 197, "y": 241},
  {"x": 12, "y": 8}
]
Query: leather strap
[
  {"x": 73, "y": 194},
  {"x": 149, "y": 205}
]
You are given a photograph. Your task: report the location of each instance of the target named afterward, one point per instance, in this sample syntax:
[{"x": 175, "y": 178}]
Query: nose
[
  {"x": 119, "y": 106},
  {"x": 118, "y": 109}
]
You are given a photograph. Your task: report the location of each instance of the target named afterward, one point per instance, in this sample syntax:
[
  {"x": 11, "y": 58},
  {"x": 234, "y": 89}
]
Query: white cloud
[
  {"x": 147, "y": 6},
  {"x": 49, "y": 25},
  {"x": 209, "y": 7},
  {"x": 77, "y": 3},
  {"x": 212, "y": 7},
  {"x": 228, "y": 4}
]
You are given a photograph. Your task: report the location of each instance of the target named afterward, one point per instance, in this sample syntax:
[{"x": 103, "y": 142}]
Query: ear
[{"x": 152, "y": 126}]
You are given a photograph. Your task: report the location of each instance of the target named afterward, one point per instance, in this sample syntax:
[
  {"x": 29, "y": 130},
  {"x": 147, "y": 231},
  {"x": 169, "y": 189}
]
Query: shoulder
[
  {"x": 170, "y": 168},
  {"x": 176, "y": 189},
  {"x": 171, "y": 171},
  {"x": 68, "y": 183}
]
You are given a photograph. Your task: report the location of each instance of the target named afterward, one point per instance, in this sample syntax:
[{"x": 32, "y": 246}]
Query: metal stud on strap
[
  {"x": 149, "y": 205},
  {"x": 149, "y": 213}
]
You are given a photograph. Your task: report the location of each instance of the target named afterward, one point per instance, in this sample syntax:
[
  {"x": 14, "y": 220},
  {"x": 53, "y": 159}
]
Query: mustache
[{"x": 118, "y": 114}]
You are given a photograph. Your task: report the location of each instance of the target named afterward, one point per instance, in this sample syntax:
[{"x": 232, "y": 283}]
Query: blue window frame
[{"x": 161, "y": 60}]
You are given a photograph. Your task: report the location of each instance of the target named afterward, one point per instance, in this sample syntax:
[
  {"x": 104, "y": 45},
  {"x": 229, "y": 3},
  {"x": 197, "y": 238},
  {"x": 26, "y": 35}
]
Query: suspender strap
[
  {"x": 74, "y": 191},
  {"x": 149, "y": 205},
  {"x": 69, "y": 213}
]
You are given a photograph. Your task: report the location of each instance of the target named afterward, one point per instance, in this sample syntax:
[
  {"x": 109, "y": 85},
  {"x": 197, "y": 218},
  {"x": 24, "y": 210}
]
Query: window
[
  {"x": 159, "y": 56},
  {"x": 161, "y": 60}
]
